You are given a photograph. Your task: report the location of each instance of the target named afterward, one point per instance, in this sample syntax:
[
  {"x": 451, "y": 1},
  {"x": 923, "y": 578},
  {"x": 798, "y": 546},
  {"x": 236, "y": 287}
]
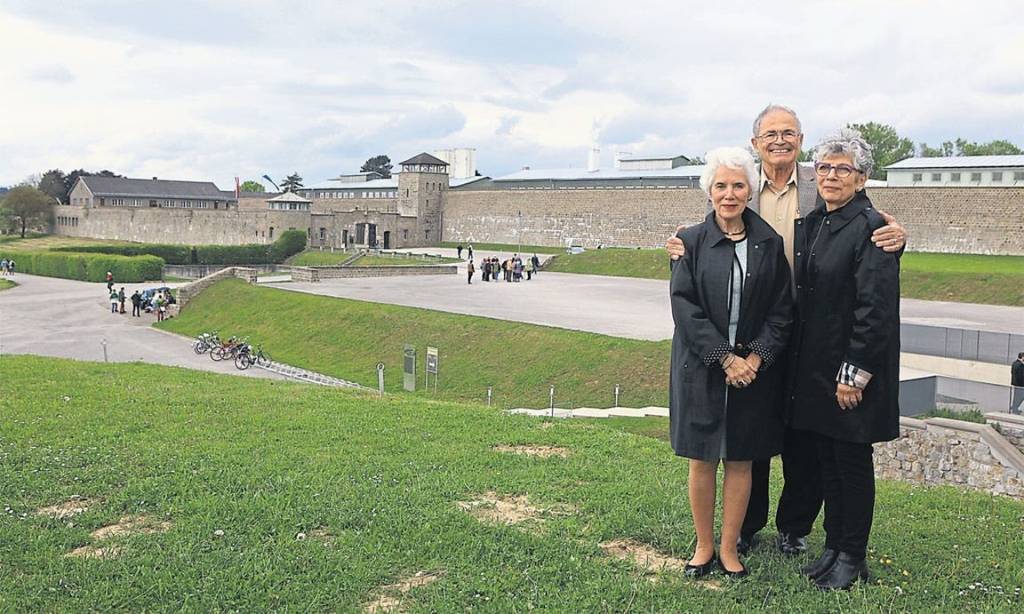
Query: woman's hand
[
  {"x": 739, "y": 373},
  {"x": 848, "y": 396}
]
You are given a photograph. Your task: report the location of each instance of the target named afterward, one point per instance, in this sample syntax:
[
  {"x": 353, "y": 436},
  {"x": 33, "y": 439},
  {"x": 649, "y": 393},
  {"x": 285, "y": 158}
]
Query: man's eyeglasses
[
  {"x": 842, "y": 170},
  {"x": 773, "y": 135}
]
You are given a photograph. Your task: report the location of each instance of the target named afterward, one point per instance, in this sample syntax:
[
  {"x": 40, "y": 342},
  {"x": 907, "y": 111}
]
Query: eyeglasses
[
  {"x": 773, "y": 135},
  {"x": 842, "y": 170}
]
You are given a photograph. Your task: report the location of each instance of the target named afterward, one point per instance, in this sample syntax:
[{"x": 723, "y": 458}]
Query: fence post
[
  {"x": 552, "y": 399},
  {"x": 104, "y": 344},
  {"x": 490, "y": 392},
  {"x": 380, "y": 379},
  {"x": 616, "y": 395}
]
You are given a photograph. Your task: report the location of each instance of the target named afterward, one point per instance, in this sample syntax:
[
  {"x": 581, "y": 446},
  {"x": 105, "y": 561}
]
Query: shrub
[
  {"x": 288, "y": 244},
  {"x": 171, "y": 254},
  {"x": 90, "y": 267}
]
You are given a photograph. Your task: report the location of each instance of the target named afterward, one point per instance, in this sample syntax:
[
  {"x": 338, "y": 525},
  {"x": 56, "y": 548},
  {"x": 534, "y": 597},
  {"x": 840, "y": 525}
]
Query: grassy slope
[
  {"x": 968, "y": 278},
  {"x": 264, "y": 460},
  {"x": 6, "y": 283},
  {"x": 347, "y": 338},
  {"x": 318, "y": 258},
  {"x": 401, "y": 261}
]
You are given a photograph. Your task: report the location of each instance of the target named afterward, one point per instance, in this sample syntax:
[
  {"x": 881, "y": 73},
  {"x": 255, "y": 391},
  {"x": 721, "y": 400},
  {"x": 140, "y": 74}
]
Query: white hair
[
  {"x": 771, "y": 108},
  {"x": 729, "y": 157},
  {"x": 847, "y": 142}
]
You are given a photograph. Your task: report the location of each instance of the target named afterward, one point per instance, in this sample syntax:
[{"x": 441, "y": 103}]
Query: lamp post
[{"x": 519, "y": 232}]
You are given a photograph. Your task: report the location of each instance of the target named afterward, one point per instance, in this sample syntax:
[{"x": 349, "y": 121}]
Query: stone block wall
[
  {"x": 189, "y": 291},
  {"x": 950, "y": 220},
  {"x": 315, "y": 274},
  {"x": 939, "y": 451}
]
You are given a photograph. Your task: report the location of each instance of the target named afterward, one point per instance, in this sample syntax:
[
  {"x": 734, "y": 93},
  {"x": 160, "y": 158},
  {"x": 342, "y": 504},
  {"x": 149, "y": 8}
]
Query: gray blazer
[{"x": 806, "y": 192}]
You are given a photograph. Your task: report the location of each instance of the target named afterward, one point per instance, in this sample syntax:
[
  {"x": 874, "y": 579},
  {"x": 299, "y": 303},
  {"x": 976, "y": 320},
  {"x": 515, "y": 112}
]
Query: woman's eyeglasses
[{"x": 842, "y": 170}]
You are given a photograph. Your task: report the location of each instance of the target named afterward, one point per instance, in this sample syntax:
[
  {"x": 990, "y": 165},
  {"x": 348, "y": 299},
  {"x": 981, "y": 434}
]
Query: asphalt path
[{"x": 48, "y": 316}]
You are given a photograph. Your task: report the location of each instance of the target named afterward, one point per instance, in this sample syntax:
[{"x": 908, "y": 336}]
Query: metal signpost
[
  {"x": 431, "y": 367},
  {"x": 380, "y": 379},
  {"x": 409, "y": 369}
]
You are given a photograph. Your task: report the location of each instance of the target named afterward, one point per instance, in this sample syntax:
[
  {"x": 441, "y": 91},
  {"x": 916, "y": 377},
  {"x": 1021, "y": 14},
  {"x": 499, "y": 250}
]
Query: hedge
[
  {"x": 90, "y": 267},
  {"x": 288, "y": 244}
]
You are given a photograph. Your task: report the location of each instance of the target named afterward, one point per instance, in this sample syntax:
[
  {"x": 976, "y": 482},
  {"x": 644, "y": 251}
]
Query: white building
[
  {"x": 628, "y": 162},
  {"x": 461, "y": 161},
  {"x": 957, "y": 171}
]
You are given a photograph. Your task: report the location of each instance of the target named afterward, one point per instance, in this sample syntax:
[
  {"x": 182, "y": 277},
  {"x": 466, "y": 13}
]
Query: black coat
[
  {"x": 1017, "y": 374},
  {"x": 848, "y": 303},
  {"x": 752, "y": 419}
]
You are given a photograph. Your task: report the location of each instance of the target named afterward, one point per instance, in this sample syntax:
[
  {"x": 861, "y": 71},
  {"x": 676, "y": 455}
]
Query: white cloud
[{"x": 211, "y": 90}]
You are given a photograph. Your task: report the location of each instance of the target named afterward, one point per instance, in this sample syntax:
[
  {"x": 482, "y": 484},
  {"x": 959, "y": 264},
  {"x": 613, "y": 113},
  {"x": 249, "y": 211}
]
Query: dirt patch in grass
[
  {"x": 68, "y": 509},
  {"x": 392, "y": 596},
  {"x": 507, "y": 510},
  {"x": 649, "y": 561},
  {"x": 131, "y": 525},
  {"x": 538, "y": 451},
  {"x": 128, "y": 525}
]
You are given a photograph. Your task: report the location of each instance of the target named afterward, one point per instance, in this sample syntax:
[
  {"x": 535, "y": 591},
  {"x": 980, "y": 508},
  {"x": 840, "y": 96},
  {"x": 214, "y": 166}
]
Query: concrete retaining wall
[
  {"x": 189, "y": 291},
  {"x": 315, "y": 274}
]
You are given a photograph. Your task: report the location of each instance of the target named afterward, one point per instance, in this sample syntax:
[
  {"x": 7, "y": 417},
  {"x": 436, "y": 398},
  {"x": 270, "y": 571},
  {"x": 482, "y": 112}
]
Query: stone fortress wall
[{"x": 951, "y": 220}]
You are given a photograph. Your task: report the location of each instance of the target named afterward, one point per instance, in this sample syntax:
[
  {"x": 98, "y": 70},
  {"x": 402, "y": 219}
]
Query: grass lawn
[
  {"x": 45, "y": 242},
  {"x": 214, "y": 478},
  {"x": 964, "y": 278},
  {"x": 6, "y": 283},
  {"x": 313, "y": 257},
  {"x": 479, "y": 249},
  {"x": 371, "y": 260},
  {"x": 346, "y": 338}
]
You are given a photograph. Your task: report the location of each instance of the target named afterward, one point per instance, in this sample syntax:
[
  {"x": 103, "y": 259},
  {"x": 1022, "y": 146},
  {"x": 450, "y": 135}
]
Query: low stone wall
[
  {"x": 189, "y": 291},
  {"x": 315, "y": 274},
  {"x": 939, "y": 451},
  {"x": 198, "y": 271},
  {"x": 1011, "y": 427}
]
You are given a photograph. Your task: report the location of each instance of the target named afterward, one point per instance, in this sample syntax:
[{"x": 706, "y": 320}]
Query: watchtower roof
[{"x": 425, "y": 158}]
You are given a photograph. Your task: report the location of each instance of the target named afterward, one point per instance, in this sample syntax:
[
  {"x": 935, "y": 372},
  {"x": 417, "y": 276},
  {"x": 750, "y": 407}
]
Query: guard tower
[{"x": 422, "y": 185}]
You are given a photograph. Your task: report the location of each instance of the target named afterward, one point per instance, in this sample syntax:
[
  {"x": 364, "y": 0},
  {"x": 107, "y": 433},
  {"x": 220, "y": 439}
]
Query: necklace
[{"x": 733, "y": 234}]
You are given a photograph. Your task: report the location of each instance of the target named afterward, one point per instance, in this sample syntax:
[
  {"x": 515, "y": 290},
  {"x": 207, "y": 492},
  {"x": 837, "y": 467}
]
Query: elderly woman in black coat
[
  {"x": 732, "y": 304},
  {"x": 845, "y": 350}
]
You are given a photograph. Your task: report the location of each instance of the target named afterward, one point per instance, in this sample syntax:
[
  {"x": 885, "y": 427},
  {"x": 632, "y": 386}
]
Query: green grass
[
  {"x": 6, "y": 283},
  {"x": 964, "y": 278},
  {"x": 649, "y": 426},
  {"x": 381, "y": 480},
  {"x": 618, "y": 262},
  {"x": 313, "y": 257},
  {"x": 347, "y": 338},
  {"x": 479, "y": 249},
  {"x": 972, "y": 415},
  {"x": 401, "y": 261}
]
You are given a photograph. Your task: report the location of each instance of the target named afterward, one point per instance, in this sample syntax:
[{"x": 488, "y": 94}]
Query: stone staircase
[
  {"x": 311, "y": 377},
  {"x": 593, "y": 412}
]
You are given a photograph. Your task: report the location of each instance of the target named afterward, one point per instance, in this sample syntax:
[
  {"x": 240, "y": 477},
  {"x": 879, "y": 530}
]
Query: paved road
[
  {"x": 618, "y": 306},
  {"x": 70, "y": 319}
]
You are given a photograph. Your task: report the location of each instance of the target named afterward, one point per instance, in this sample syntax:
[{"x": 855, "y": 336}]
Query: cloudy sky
[{"x": 211, "y": 90}]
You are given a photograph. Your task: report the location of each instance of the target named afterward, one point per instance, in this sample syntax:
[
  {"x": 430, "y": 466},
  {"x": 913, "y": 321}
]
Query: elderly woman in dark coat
[
  {"x": 845, "y": 350},
  {"x": 732, "y": 304}
]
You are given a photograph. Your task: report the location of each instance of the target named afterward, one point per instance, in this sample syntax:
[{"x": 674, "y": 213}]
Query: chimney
[
  {"x": 154, "y": 178},
  {"x": 594, "y": 160}
]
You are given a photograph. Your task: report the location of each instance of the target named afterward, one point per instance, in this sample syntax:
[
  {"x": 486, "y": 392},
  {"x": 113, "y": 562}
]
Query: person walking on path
[
  {"x": 469, "y": 272},
  {"x": 136, "y": 304},
  {"x": 10, "y": 267},
  {"x": 469, "y": 251},
  {"x": 113, "y": 301},
  {"x": 3, "y": 267},
  {"x": 459, "y": 251},
  {"x": 1017, "y": 382},
  {"x": 120, "y": 300},
  {"x": 110, "y": 281},
  {"x": 536, "y": 264},
  {"x": 529, "y": 269}
]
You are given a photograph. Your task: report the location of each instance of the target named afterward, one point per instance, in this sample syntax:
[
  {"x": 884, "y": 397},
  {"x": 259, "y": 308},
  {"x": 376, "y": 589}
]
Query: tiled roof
[
  {"x": 153, "y": 188},
  {"x": 425, "y": 158}
]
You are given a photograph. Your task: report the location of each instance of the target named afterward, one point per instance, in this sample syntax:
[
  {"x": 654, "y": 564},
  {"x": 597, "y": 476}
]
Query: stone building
[
  {"x": 102, "y": 191},
  {"x": 957, "y": 171}
]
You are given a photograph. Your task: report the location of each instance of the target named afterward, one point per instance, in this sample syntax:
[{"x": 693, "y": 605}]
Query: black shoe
[
  {"x": 745, "y": 543},
  {"x": 821, "y": 566},
  {"x": 733, "y": 575},
  {"x": 846, "y": 570},
  {"x": 792, "y": 544},
  {"x": 699, "y": 571}
]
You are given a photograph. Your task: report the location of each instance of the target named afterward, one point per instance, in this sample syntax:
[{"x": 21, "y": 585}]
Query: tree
[
  {"x": 26, "y": 206},
  {"x": 943, "y": 151},
  {"x": 377, "y": 164},
  {"x": 54, "y": 183},
  {"x": 992, "y": 148},
  {"x": 291, "y": 182},
  {"x": 72, "y": 177},
  {"x": 888, "y": 146},
  {"x": 253, "y": 186}
]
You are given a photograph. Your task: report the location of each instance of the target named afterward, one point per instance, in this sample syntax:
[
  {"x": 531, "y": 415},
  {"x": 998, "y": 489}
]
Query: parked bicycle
[
  {"x": 205, "y": 341},
  {"x": 247, "y": 356},
  {"x": 228, "y": 349}
]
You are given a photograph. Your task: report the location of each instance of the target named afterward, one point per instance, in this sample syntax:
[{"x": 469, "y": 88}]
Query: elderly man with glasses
[{"x": 787, "y": 192}]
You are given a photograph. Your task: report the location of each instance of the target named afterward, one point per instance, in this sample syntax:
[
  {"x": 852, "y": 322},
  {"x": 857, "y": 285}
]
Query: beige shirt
[{"x": 780, "y": 207}]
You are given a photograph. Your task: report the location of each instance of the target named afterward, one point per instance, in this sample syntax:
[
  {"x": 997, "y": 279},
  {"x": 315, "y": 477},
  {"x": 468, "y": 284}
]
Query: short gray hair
[
  {"x": 729, "y": 157},
  {"x": 771, "y": 109},
  {"x": 847, "y": 142}
]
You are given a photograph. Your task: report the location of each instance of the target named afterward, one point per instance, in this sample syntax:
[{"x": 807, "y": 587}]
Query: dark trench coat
[
  {"x": 752, "y": 422},
  {"x": 848, "y": 294}
]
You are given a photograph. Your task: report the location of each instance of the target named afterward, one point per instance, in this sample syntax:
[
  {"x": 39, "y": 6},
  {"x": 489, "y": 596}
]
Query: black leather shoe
[
  {"x": 792, "y": 544},
  {"x": 821, "y": 566},
  {"x": 699, "y": 571},
  {"x": 846, "y": 570},
  {"x": 733, "y": 575},
  {"x": 745, "y": 543}
]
